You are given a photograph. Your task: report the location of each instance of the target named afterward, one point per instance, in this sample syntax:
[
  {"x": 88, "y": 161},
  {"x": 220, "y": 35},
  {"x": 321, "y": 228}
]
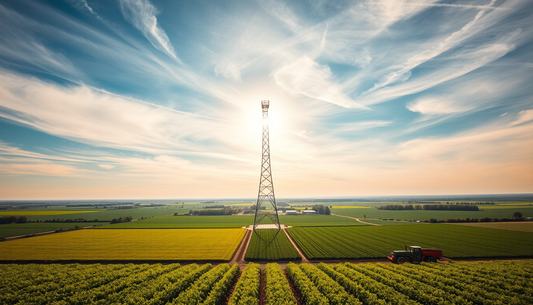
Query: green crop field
[
  {"x": 271, "y": 245},
  {"x": 378, "y": 241},
  {"x": 235, "y": 221},
  {"x": 317, "y": 220},
  {"x": 170, "y": 222},
  {"x": 500, "y": 212},
  {"x": 513, "y": 226},
  {"x": 391, "y": 222},
  {"x": 41, "y": 212},
  {"x": 498, "y": 282},
  {"x": 108, "y": 214},
  {"x": 139, "y": 244},
  {"x": 16, "y": 229}
]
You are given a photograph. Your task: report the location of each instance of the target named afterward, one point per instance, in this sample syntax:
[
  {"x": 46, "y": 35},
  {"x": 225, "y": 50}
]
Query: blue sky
[{"x": 161, "y": 99}]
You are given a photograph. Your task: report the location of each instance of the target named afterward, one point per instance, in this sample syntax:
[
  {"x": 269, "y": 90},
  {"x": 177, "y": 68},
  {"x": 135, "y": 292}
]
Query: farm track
[
  {"x": 304, "y": 258},
  {"x": 238, "y": 258},
  {"x": 367, "y": 223}
]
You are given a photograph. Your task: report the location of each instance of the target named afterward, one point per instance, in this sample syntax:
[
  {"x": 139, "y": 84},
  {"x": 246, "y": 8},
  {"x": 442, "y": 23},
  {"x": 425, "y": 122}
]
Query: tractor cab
[{"x": 414, "y": 254}]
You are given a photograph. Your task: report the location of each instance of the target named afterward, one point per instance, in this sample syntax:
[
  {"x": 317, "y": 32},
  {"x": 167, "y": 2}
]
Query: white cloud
[
  {"x": 308, "y": 78},
  {"x": 106, "y": 166},
  {"x": 141, "y": 13},
  {"x": 435, "y": 105},
  {"x": 523, "y": 117},
  {"x": 451, "y": 41},
  {"x": 83, "y": 114},
  {"x": 464, "y": 6},
  {"x": 229, "y": 70},
  {"x": 44, "y": 169},
  {"x": 463, "y": 63}
]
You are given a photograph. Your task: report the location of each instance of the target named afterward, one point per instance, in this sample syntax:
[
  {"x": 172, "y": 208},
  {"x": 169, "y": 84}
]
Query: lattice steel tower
[{"x": 266, "y": 187}]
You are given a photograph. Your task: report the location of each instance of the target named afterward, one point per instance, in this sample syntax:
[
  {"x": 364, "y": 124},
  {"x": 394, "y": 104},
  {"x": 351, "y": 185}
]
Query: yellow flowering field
[
  {"x": 127, "y": 244},
  {"x": 38, "y": 213}
]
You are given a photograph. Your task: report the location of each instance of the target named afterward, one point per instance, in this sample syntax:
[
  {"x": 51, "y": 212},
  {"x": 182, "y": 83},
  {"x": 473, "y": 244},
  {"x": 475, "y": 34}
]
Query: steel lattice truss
[{"x": 266, "y": 196}]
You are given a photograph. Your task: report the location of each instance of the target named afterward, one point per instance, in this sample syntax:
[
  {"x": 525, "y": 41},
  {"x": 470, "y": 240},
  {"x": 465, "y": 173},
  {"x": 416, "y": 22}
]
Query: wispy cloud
[
  {"x": 466, "y": 6},
  {"x": 449, "y": 42},
  {"x": 308, "y": 78},
  {"x": 141, "y": 13},
  {"x": 39, "y": 169},
  {"x": 523, "y": 117},
  {"x": 89, "y": 116}
]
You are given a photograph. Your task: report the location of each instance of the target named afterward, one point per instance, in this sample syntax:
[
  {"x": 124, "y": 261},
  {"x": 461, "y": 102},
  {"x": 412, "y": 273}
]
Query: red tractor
[{"x": 415, "y": 254}]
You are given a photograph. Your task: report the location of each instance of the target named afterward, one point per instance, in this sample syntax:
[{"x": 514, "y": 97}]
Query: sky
[{"x": 140, "y": 99}]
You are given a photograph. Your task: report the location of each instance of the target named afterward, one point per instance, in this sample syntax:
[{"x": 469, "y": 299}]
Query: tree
[
  {"x": 517, "y": 215},
  {"x": 22, "y": 219}
]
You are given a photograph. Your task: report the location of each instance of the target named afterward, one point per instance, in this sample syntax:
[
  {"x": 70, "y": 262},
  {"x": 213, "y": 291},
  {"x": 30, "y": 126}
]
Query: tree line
[
  {"x": 440, "y": 207},
  {"x": 120, "y": 219},
  {"x": 224, "y": 211}
]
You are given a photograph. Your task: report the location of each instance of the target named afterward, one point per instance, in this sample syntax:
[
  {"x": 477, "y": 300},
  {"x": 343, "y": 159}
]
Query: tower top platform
[{"x": 265, "y": 103}]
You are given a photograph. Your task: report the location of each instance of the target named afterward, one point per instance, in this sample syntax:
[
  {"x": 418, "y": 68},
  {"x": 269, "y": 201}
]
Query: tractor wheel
[
  {"x": 402, "y": 260},
  {"x": 431, "y": 259}
]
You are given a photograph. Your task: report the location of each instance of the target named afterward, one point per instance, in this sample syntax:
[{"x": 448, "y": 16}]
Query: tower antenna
[{"x": 266, "y": 187}]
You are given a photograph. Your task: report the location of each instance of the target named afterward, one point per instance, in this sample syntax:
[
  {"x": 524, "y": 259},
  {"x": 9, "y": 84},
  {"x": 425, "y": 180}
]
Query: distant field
[
  {"x": 513, "y": 226},
  {"x": 373, "y": 241},
  {"x": 350, "y": 207},
  {"x": 41, "y": 212},
  {"x": 168, "y": 222},
  {"x": 109, "y": 214},
  {"x": 163, "y": 244},
  {"x": 235, "y": 221},
  {"x": 317, "y": 220},
  {"x": 517, "y": 203},
  {"x": 17, "y": 229},
  {"x": 342, "y": 203},
  {"x": 271, "y": 245},
  {"x": 391, "y": 222},
  {"x": 504, "y": 206},
  {"x": 500, "y": 212}
]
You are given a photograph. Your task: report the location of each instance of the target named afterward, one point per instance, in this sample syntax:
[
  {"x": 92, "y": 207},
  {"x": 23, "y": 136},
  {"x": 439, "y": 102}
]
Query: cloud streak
[{"x": 141, "y": 13}]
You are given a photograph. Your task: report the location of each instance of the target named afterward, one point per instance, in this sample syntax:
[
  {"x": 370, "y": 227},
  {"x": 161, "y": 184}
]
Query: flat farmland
[
  {"x": 139, "y": 244},
  {"x": 373, "y": 241},
  {"x": 317, "y": 220},
  {"x": 16, "y": 229},
  {"x": 486, "y": 211},
  {"x": 513, "y": 226},
  {"x": 174, "y": 222},
  {"x": 271, "y": 245},
  {"x": 41, "y": 212},
  {"x": 104, "y": 214}
]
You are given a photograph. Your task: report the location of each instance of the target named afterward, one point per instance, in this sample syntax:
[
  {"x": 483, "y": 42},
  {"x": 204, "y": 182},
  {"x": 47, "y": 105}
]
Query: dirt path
[
  {"x": 368, "y": 223},
  {"x": 238, "y": 258},
  {"x": 304, "y": 258}
]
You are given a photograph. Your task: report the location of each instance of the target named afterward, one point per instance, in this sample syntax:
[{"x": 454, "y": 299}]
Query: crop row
[
  {"x": 367, "y": 242},
  {"x": 499, "y": 282},
  {"x": 277, "y": 289},
  {"x": 271, "y": 245},
  {"x": 247, "y": 288}
]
